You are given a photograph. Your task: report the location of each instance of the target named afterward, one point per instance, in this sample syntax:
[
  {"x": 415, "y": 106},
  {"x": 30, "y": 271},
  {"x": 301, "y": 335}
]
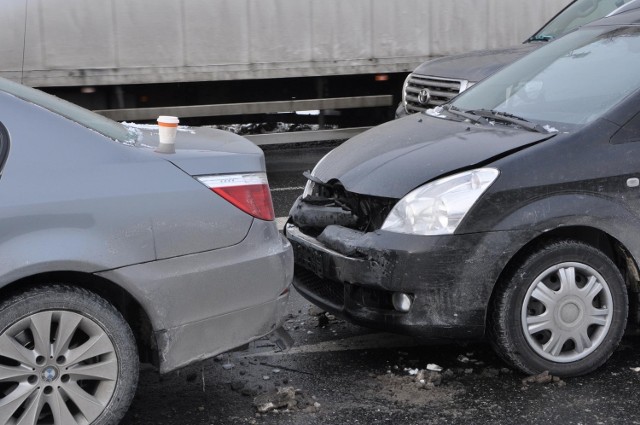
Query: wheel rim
[
  {"x": 56, "y": 367},
  {"x": 567, "y": 312}
]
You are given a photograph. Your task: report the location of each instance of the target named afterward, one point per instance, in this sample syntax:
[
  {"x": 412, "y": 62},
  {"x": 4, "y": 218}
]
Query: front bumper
[{"x": 450, "y": 278}]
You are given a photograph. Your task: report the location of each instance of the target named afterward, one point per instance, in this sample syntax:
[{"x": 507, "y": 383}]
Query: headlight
[
  {"x": 437, "y": 208},
  {"x": 308, "y": 189},
  {"x": 467, "y": 85}
]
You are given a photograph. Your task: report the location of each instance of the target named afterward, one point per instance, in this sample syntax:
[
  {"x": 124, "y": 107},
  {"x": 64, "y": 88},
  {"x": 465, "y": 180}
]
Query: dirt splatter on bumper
[{"x": 449, "y": 278}]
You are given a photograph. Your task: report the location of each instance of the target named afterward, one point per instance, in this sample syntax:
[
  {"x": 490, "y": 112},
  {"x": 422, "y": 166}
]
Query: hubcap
[
  {"x": 567, "y": 312},
  {"x": 55, "y": 367}
]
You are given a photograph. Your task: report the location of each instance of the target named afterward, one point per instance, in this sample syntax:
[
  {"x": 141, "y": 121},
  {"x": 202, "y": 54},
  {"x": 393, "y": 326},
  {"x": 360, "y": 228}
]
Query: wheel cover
[
  {"x": 56, "y": 367},
  {"x": 567, "y": 312}
]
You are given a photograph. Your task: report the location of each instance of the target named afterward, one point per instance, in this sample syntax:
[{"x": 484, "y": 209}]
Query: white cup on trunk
[{"x": 168, "y": 127}]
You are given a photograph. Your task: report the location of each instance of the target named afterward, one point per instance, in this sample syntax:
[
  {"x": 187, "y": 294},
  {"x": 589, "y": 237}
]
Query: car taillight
[{"x": 248, "y": 192}]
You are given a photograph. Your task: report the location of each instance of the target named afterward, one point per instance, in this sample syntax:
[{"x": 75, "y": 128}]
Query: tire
[
  {"x": 563, "y": 310},
  {"x": 67, "y": 357}
]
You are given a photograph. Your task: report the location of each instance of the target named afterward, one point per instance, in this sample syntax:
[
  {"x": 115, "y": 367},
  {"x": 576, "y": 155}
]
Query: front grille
[
  {"x": 440, "y": 90},
  {"x": 332, "y": 204},
  {"x": 328, "y": 291}
]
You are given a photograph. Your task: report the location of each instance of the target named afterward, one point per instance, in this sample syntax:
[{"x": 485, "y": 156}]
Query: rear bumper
[
  {"x": 450, "y": 278},
  {"x": 197, "y": 341},
  {"x": 204, "y": 304}
]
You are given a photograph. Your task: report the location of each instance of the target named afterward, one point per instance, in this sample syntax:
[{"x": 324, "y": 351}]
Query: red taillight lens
[{"x": 248, "y": 192}]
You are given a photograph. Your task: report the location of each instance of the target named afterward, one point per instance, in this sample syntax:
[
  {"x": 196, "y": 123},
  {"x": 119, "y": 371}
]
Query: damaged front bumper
[{"x": 449, "y": 279}]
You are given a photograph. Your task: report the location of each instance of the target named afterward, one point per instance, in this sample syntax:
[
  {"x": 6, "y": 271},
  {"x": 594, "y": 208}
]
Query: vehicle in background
[
  {"x": 510, "y": 213},
  {"x": 113, "y": 253},
  {"x": 437, "y": 81},
  {"x": 230, "y": 61}
]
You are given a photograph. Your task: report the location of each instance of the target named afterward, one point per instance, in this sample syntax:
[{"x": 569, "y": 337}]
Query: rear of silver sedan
[{"x": 112, "y": 253}]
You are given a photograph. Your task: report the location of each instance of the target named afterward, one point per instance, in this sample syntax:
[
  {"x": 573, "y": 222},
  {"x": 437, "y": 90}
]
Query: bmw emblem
[{"x": 49, "y": 374}]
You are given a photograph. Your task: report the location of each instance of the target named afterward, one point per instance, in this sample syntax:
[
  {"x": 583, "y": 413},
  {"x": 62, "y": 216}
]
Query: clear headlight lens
[
  {"x": 437, "y": 208},
  {"x": 308, "y": 189},
  {"x": 468, "y": 85}
]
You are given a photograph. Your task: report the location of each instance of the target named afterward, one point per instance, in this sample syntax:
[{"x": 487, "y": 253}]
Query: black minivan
[{"x": 512, "y": 212}]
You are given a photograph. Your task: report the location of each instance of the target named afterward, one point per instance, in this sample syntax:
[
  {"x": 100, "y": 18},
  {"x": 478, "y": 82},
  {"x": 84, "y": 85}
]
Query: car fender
[
  {"x": 575, "y": 210},
  {"x": 71, "y": 248}
]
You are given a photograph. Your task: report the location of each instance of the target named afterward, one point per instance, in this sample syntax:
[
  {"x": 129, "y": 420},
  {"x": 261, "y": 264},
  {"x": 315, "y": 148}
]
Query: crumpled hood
[
  {"x": 475, "y": 66},
  {"x": 392, "y": 159},
  {"x": 201, "y": 151}
]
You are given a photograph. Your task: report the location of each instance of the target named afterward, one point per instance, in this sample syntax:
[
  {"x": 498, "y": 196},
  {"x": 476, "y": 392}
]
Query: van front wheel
[{"x": 563, "y": 310}]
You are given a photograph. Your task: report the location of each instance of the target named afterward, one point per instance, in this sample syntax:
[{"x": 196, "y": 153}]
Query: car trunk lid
[{"x": 201, "y": 151}]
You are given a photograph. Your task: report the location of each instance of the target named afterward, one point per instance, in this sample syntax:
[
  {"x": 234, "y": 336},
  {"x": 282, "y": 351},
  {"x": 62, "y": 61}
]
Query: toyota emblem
[{"x": 424, "y": 96}]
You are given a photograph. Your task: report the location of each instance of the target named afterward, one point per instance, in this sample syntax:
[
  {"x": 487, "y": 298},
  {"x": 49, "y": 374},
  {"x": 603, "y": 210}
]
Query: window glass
[
  {"x": 68, "y": 110},
  {"x": 4, "y": 146},
  {"x": 572, "y": 81},
  {"x": 577, "y": 14}
]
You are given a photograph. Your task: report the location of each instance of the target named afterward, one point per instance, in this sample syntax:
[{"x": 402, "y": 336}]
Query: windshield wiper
[
  {"x": 469, "y": 115},
  {"x": 510, "y": 118},
  {"x": 540, "y": 38}
]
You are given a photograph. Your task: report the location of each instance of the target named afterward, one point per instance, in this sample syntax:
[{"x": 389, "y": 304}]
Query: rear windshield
[{"x": 68, "y": 110}]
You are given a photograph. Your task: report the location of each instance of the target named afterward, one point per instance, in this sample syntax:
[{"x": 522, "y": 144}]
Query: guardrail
[
  {"x": 305, "y": 136},
  {"x": 144, "y": 114}
]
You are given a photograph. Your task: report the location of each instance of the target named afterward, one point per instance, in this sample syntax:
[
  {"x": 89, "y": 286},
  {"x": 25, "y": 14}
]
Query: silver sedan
[{"x": 113, "y": 253}]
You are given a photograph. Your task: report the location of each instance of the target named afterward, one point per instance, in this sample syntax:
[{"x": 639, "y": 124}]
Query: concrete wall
[{"x": 87, "y": 42}]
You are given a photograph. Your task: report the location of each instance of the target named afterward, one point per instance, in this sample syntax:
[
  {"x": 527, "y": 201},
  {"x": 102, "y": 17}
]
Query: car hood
[
  {"x": 201, "y": 151},
  {"x": 475, "y": 66},
  {"x": 392, "y": 159}
]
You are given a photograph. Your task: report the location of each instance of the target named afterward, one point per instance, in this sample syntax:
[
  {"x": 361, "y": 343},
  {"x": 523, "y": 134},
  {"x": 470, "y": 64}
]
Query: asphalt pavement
[{"x": 339, "y": 373}]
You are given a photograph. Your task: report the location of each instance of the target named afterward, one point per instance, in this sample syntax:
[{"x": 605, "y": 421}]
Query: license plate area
[{"x": 309, "y": 258}]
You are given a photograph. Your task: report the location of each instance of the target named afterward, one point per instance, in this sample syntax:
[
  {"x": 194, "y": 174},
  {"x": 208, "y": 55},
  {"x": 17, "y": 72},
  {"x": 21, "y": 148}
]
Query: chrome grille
[{"x": 440, "y": 90}]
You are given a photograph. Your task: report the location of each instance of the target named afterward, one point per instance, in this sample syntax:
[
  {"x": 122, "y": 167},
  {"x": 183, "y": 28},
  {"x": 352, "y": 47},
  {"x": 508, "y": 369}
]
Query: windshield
[
  {"x": 570, "y": 82},
  {"x": 68, "y": 110},
  {"x": 577, "y": 14}
]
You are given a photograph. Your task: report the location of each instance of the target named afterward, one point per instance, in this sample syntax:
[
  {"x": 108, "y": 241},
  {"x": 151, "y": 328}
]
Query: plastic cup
[{"x": 168, "y": 127}]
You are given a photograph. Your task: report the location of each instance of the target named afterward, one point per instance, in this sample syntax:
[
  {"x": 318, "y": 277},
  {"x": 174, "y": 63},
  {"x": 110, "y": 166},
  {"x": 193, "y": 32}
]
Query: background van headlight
[{"x": 437, "y": 208}]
